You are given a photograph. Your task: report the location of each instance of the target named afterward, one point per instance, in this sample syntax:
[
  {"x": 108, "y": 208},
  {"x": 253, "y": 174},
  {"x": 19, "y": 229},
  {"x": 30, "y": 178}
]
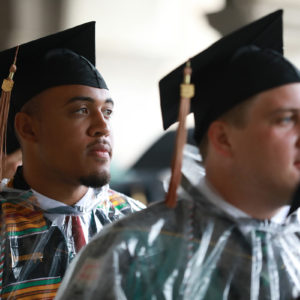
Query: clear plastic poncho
[
  {"x": 37, "y": 245},
  {"x": 195, "y": 251}
]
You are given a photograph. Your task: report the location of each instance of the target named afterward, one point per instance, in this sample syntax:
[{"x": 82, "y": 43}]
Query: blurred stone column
[
  {"x": 6, "y": 22},
  {"x": 23, "y": 20}
]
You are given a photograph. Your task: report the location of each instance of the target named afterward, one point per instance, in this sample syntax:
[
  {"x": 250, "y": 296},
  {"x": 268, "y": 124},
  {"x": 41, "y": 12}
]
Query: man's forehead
[
  {"x": 92, "y": 95},
  {"x": 73, "y": 90},
  {"x": 285, "y": 97},
  {"x": 284, "y": 92},
  {"x": 105, "y": 94}
]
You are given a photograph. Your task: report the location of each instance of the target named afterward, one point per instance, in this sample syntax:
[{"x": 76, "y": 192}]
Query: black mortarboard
[
  {"x": 67, "y": 57},
  {"x": 238, "y": 66}
]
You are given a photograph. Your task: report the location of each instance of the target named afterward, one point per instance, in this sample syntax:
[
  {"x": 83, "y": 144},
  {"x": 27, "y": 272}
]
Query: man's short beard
[{"x": 95, "y": 180}]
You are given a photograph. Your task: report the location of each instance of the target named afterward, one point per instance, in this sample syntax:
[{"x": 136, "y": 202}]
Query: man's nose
[
  {"x": 99, "y": 126},
  {"x": 298, "y": 135}
]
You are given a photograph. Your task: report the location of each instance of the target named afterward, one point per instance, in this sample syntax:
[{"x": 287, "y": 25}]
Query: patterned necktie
[
  {"x": 264, "y": 276},
  {"x": 77, "y": 232}
]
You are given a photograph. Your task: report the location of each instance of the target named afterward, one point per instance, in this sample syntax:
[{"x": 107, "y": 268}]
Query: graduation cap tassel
[
  {"x": 7, "y": 86},
  {"x": 187, "y": 91}
]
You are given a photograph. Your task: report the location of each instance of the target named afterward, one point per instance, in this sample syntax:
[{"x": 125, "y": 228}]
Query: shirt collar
[{"x": 86, "y": 203}]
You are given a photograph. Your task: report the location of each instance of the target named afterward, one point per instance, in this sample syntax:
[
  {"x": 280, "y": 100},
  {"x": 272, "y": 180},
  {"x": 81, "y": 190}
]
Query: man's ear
[
  {"x": 26, "y": 127},
  {"x": 218, "y": 135}
]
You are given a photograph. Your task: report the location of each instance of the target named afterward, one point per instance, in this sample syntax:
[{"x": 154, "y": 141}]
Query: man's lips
[
  {"x": 297, "y": 164},
  {"x": 101, "y": 150}
]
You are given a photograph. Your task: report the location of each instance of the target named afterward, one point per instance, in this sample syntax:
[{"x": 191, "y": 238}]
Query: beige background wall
[{"x": 138, "y": 42}]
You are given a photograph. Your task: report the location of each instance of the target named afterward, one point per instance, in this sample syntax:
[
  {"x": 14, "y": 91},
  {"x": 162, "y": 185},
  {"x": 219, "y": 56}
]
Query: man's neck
[
  {"x": 63, "y": 191},
  {"x": 256, "y": 203},
  {"x": 67, "y": 196}
]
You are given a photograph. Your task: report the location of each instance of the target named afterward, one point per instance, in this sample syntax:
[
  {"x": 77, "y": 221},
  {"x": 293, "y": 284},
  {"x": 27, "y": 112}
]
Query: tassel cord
[{"x": 187, "y": 92}]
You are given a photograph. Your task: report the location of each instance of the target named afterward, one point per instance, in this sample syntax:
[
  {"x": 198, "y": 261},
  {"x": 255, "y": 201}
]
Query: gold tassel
[
  {"x": 187, "y": 91},
  {"x": 7, "y": 86}
]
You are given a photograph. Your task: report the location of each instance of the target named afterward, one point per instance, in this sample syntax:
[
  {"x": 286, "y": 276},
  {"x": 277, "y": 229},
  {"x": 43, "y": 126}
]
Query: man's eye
[
  {"x": 107, "y": 113},
  {"x": 82, "y": 110},
  {"x": 287, "y": 119}
]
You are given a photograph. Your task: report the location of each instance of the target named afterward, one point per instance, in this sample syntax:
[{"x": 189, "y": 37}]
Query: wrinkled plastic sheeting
[
  {"x": 192, "y": 167},
  {"x": 32, "y": 248},
  {"x": 193, "y": 252}
]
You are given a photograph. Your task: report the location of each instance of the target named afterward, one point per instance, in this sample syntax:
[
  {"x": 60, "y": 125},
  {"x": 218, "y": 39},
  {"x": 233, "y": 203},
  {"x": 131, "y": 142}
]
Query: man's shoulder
[
  {"x": 124, "y": 203},
  {"x": 17, "y": 197},
  {"x": 170, "y": 219},
  {"x": 19, "y": 213}
]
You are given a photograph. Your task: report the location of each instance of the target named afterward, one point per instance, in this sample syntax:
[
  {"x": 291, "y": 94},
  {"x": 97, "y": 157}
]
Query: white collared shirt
[{"x": 86, "y": 204}]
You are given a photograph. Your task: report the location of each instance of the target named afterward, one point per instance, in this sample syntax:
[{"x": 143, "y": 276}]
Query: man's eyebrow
[
  {"x": 88, "y": 99},
  {"x": 285, "y": 109},
  {"x": 109, "y": 100}
]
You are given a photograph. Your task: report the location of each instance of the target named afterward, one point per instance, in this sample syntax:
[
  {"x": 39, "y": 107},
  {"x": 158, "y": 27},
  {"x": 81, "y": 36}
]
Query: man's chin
[{"x": 95, "y": 180}]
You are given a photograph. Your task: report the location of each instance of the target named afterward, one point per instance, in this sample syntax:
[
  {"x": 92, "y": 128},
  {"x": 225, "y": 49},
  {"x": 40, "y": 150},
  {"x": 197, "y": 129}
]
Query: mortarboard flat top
[
  {"x": 238, "y": 66},
  {"x": 66, "y": 57}
]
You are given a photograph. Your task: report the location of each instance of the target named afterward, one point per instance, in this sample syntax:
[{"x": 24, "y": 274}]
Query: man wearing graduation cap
[
  {"x": 229, "y": 236},
  {"x": 59, "y": 114}
]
